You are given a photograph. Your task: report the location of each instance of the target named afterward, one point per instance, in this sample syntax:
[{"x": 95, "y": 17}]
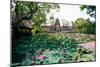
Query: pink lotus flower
[{"x": 41, "y": 57}]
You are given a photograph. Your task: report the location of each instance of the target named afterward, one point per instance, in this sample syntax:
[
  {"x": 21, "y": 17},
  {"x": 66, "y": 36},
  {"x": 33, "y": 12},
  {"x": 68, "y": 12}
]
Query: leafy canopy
[
  {"x": 91, "y": 10},
  {"x": 33, "y": 11},
  {"x": 84, "y": 26}
]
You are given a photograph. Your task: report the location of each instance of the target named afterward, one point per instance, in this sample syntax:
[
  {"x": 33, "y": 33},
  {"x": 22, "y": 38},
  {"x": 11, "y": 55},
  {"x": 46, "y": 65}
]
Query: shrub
[{"x": 84, "y": 26}]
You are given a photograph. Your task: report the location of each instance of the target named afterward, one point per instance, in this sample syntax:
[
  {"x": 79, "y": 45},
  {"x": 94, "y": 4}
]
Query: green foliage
[
  {"x": 91, "y": 10},
  {"x": 81, "y": 25},
  {"x": 84, "y": 26},
  {"x": 53, "y": 56},
  {"x": 25, "y": 7},
  {"x": 33, "y": 11},
  {"x": 87, "y": 58},
  {"x": 56, "y": 49}
]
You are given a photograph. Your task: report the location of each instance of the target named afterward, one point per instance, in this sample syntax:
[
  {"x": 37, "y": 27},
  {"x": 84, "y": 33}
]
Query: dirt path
[{"x": 91, "y": 46}]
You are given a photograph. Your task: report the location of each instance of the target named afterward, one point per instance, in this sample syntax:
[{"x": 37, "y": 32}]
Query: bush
[{"x": 84, "y": 26}]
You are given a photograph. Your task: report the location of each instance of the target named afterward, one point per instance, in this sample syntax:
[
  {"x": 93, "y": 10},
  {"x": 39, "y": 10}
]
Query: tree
[
  {"x": 80, "y": 25},
  {"x": 84, "y": 26},
  {"x": 91, "y": 10},
  {"x": 33, "y": 11}
]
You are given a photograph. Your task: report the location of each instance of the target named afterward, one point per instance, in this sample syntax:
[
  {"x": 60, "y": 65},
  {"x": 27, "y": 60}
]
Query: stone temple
[{"x": 56, "y": 27}]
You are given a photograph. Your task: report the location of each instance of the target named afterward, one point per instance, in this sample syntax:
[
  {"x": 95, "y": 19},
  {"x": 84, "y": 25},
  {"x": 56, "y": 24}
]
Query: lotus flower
[{"x": 41, "y": 57}]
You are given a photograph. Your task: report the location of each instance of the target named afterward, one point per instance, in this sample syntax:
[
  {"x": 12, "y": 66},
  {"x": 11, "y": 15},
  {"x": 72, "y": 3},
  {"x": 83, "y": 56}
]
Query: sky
[{"x": 69, "y": 13}]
